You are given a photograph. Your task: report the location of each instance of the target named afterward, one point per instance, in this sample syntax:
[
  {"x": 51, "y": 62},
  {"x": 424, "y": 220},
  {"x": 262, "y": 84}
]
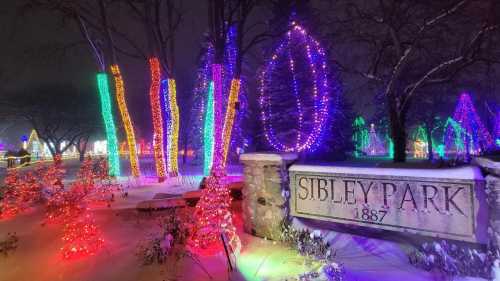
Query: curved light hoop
[
  {"x": 127, "y": 122},
  {"x": 317, "y": 62}
]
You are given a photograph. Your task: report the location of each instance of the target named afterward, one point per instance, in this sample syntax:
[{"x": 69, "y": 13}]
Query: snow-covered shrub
[
  {"x": 452, "y": 260},
  {"x": 328, "y": 272},
  {"x": 307, "y": 243},
  {"x": 169, "y": 239}
]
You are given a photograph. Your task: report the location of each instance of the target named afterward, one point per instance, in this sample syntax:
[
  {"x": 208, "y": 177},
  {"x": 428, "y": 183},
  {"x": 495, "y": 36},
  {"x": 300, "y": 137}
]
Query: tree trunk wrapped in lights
[
  {"x": 154, "y": 96},
  {"x": 127, "y": 122},
  {"x": 208, "y": 131},
  {"x": 218, "y": 115},
  {"x": 229, "y": 119},
  {"x": 109, "y": 124},
  {"x": 173, "y": 133}
]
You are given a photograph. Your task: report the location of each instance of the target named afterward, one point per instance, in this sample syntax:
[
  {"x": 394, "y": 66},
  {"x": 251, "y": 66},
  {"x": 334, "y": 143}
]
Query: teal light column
[
  {"x": 109, "y": 124},
  {"x": 208, "y": 132}
]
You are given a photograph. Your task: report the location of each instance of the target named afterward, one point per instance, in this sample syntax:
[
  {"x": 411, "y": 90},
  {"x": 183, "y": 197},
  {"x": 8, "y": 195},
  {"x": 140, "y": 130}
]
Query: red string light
[
  {"x": 213, "y": 216},
  {"x": 154, "y": 96},
  {"x": 81, "y": 238}
]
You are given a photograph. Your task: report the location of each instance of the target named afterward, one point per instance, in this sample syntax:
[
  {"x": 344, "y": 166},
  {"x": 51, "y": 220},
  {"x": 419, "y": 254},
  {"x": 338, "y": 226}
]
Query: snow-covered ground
[{"x": 38, "y": 257}]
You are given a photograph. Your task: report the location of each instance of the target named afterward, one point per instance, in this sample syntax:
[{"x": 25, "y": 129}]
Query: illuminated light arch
[
  {"x": 127, "y": 122},
  {"x": 109, "y": 124},
  {"x": 319, "y": 90},
  {"x": 208, "y": 131},
  {"x": 154, "y": 97}
]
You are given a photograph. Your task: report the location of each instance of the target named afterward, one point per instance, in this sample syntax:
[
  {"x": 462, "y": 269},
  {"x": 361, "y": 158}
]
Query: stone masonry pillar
[
  {"x": 265, "y": 193},
  {"x": 492, "y": 169}
]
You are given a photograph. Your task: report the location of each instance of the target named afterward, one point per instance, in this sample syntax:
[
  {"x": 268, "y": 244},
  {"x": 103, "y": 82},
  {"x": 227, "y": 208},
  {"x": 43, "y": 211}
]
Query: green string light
[
  {"x": 457, "y": 132},
  {"x": 208, "y": 132},
  {"x": 109, "y": 124},
  {"x": 360, "y": 136}
]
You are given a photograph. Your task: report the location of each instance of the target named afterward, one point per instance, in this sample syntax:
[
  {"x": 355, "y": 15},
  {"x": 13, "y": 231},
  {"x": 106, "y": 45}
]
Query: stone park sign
[{"x": 448, "y": 203}]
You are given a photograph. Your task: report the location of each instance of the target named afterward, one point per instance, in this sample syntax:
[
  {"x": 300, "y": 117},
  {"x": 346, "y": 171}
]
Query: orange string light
[
  {"x": 154, "y": 96},
  {"x": 229, "y": 119}
]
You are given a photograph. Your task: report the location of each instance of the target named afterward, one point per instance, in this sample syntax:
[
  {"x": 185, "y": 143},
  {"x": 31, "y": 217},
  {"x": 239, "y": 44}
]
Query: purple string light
[
  {"x": 316, "y": 58},
  {"x": 475, "y": 138},
  {"x": 218, "y": 116}
]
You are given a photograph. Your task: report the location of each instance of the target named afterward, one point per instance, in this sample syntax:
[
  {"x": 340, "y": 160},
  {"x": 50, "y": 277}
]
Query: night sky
[{"x": 28, "y": 59}]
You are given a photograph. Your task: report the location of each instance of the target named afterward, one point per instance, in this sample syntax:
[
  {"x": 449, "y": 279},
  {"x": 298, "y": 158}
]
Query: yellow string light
[
  {"x": 174, "y": 134},
  {"x": 127, "y": 122},
  {"x": 230, "y": 114}
]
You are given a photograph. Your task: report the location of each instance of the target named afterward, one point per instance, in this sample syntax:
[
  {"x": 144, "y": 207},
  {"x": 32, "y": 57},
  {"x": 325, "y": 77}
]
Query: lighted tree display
[
  {"x": 213, "y": 216},
  {"x": 474, "y": 139},
  {"x": 376, "y": 146},
  {"x": 405, "y": 48},
  {"x": 81, "y": 238},
  {"x": 21, "y": 192},
  {"x": 453, "y": 137},
  {"x": 360, "y": 136},
  {"x": 420, "y": 141},
  {"x": 294, "y": 84},
  {"x": 200, "y": 101}
]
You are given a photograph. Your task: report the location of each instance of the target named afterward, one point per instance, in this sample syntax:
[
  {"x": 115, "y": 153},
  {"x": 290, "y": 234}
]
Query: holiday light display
[
  {"x": 360, "y": 136},
  {"x": 213, "y": 216},
  {"x": 304, "y": 87},
  {"x": 144, "y": 148},
  {"x": 454, "y": 137},
  {"x": 167, "y": 124},
  {"x": 173, "y": 132},
  {"x": 9, "y": 205},
  {"x": 35, "y": 147},
  {"x": 240, "y": 136},
  {"x": 390, "y": 148},
  {"x": 475, "y": 138},
  {"x": 109, "y": 124},
  {"x": 81, "y": 238},
  {"x": 200, "y": 99},
  {"x": 229, "y": 119},
  {"x": 208, "y": 132},
  {"x": 375, "y": 146},
  {"x": 420, "y": 141},
  {"x": 127, "y": 122},
  {"x": 171, "y": 124},
  {"x": 20, "y": 192},
  {"x": 154, "y": 97},
  {"x": 218, "y": 121}
]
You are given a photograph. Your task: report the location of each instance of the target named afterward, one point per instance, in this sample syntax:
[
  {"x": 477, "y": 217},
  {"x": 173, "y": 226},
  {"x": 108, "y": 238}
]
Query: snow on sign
[{"x": 448, "y": 203}]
